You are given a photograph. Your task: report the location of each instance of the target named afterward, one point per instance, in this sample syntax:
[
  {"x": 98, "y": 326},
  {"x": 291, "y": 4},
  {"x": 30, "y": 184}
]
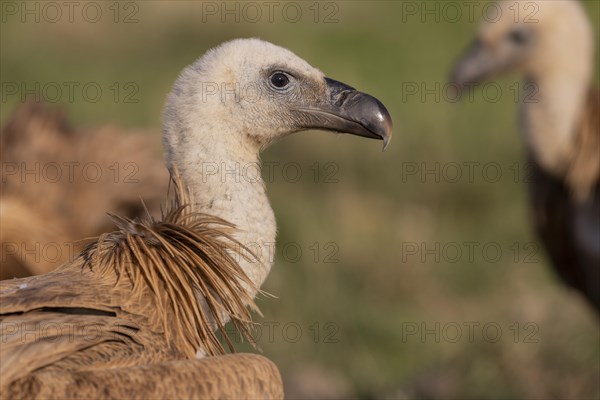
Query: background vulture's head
[{"x": 530, "y": 37}]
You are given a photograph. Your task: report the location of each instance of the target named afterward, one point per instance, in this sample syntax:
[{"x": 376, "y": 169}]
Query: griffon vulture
[
  {"x": 551, "y": 44},
  {"x": 58, "y": 184},
  {"x": 138, "y": 301}
]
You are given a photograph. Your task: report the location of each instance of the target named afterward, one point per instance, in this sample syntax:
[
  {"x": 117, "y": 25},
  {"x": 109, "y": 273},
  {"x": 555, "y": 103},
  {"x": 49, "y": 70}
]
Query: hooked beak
[{"x": 347, "y": 110}]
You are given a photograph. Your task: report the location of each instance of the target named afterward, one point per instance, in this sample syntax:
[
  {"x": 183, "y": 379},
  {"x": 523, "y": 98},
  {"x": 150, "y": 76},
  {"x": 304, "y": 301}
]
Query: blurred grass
[{"x": 370, "y": 295}]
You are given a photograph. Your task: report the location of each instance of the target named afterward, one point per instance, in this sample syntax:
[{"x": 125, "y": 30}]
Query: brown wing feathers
[
  {"x": 233, "y": 376},
  {"x": 51, "y": 198}
]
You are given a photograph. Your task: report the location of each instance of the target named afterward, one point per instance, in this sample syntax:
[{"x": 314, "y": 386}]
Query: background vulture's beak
[
  {"x": 477, "y": 64},
  {"x": 347, "y": 110}
]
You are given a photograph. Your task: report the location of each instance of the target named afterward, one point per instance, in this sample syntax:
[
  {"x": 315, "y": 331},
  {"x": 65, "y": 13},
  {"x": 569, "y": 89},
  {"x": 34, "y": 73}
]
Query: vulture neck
[
  {"x": 552, "y": 106},
  {"x": 223, "y": 172}
]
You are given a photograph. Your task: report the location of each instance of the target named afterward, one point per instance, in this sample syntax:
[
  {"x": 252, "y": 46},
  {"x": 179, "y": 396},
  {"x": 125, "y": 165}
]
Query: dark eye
[
  {"x": 279, "y": 80},
  {"x": 518, "y": 36}
]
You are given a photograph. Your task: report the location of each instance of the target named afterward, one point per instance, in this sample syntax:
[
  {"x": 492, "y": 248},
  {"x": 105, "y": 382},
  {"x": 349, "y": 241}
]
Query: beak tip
[
  {"x": 384, "y": 126},
  {"x": 386, "y": 141}
]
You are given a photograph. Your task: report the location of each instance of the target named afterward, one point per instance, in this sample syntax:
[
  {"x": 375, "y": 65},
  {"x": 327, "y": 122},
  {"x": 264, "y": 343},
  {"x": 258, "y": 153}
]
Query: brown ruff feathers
[
  {"x": 184, "y": 254},
  {"x": 584, "y": 171}
]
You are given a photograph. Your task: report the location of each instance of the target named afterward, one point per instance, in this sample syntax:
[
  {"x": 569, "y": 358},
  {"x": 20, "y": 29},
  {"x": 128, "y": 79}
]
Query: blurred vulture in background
[
  {"x": 551, "y": 43},
  {"x": 58, "y": 184}
]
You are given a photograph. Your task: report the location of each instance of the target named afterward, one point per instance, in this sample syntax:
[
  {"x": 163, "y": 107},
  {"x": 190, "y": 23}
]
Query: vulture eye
[
  {"x": 518, "y": 37},
  {"x": 279, "y": 80}
]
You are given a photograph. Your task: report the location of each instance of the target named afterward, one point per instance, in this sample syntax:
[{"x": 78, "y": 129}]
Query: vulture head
[
  {"x": 535, "y": 38},
  {"x": 250, "y": 93}
]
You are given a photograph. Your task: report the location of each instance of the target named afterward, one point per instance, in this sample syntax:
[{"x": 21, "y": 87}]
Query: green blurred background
[{"x": 356, "y": 313}]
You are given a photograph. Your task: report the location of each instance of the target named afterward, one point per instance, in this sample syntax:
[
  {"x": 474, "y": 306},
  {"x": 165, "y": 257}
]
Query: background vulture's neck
[
  {"x": 552, "y": 105},
  {"x": 223, "y": 171}
]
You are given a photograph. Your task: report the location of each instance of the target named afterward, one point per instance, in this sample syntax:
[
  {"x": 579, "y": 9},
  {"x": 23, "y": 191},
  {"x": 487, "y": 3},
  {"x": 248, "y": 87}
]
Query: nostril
[{"x": 342, "y": 97}]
